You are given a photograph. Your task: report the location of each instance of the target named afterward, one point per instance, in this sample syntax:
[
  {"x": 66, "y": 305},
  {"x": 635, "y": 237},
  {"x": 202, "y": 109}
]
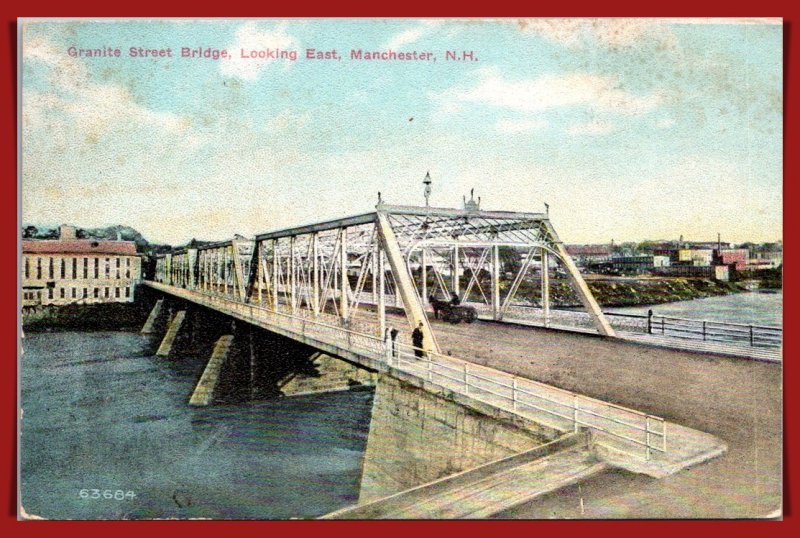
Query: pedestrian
[
  {"x": 416, "y": 339},
  {"x": 393, "y": 334}
]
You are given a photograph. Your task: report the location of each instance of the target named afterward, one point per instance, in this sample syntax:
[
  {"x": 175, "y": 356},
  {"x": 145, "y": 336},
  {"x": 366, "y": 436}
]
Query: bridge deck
[
  {"x": 736, "y": 400},
  {"x": 631, "y": 439}
]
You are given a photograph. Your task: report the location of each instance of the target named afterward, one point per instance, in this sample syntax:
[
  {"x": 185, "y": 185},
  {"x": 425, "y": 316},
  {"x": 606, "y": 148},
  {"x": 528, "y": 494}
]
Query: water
[
  {"x": 755, "y": 308},
  {"x": 101, "y": 412}
]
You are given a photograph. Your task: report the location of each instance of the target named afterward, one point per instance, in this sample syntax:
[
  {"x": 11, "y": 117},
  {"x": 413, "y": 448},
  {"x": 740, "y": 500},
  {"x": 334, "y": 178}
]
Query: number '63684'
[{"x": 111, "y": 494}]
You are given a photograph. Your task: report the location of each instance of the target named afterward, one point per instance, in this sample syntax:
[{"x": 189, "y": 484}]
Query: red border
[{"x": 408, "y": 8}]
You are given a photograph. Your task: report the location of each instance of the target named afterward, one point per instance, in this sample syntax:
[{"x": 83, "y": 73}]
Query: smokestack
[{"x": 719, "y": 241}]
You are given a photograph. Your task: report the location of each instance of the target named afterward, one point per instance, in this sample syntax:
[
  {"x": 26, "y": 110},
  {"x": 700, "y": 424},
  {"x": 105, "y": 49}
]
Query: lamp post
[{"x": 427, "y": 183}]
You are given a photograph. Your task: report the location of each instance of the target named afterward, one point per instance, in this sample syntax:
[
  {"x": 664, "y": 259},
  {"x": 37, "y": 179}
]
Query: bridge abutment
[{"x": 416, "y": 437}]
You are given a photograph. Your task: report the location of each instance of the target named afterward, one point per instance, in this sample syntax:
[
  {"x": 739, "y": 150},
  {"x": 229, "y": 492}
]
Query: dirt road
[{"x": 737, "y": 400}]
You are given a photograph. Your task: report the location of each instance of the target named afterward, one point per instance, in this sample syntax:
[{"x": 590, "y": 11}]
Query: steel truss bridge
[
  {"x": 338, "y": 285},
  {"x": 349, "y": 271}
]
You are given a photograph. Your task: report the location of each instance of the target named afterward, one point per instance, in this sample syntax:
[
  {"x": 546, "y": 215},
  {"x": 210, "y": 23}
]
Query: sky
[{"x": 629, "y": 129}]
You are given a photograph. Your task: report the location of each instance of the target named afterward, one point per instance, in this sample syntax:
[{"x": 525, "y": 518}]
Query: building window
[
  {"x": 127, "y": 267},
  {"x": 127, "y": 292},
  {"x": 118, "y": 265},
  {"x": 50, "y": 268},
  {"x": 27, "y": 268},
  {"x": 74, "y": 268},
  {"x": 86, "y": 268},
  {"x": 62, "y": 293},
  {"x": 63, "y": 268},
  {"x": 108, "y": 268},
  {"x": 49, "y": 293},
  {"x": 38, "y": 268},
  {"x": 96, "y": 293},
  {"x": 97, "y": 267},
  {"x": 85, "y": 293},
  {"x": 74, "y": 293},
  {"x": 116, "y": 292},
  {"x": 107, "y": 293}
]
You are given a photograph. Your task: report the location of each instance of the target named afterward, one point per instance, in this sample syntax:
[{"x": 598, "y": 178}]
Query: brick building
[{"x": 78, "y": 271}]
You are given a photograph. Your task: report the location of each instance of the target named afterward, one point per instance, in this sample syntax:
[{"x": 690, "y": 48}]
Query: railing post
[
  {"x": 704, "y": 331},
  {"x": 430, "y": 370},
  {"x": 647, "y": 435},
  {"x": 575, "y": 413},
  {"x": 650, "y": 321},
  {"x": 466, "y": 380},
  {"x": 514, "y": 392},
  {"x": 662, "y": 324},
  {"x": 751, "y": 336}
]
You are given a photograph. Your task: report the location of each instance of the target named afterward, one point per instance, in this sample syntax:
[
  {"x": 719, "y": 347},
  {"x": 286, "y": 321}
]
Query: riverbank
[
  {"x": 91, "y": 317},
  {"x": 653, "y": 290},
  {"x": 634, "y": 291}
]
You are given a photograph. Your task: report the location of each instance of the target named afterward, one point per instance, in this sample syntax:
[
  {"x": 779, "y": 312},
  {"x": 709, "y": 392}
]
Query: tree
[
  {"x": 30, "y": 232},
  {"x": 510, "y": 259}
]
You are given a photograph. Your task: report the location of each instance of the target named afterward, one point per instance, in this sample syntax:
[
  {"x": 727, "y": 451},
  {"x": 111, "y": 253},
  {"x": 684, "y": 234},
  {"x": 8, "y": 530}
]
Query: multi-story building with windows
[{"x": 78, "y": 271}]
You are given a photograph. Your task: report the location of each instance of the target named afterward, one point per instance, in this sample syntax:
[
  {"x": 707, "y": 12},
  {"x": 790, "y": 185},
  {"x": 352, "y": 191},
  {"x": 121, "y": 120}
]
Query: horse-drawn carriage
[{"x": 452, "y": 312}]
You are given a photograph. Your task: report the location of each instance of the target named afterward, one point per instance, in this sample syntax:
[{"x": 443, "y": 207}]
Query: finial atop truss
[{"x": 472, "y": 205}]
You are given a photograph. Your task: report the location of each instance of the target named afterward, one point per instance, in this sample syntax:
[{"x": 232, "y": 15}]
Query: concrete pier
[
  {"x": 149, "y": 325},
  {"x": 329, "y": 375},
  {"x": 172, "y": 331},
  {"x": 204, "y": 391}
]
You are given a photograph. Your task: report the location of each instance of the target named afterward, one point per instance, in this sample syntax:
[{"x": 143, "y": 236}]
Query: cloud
[
  {"x": 591, "y": 128},
  {"x": 412, "y": 35},
  {"x": 600, "y": 93},
  {"x": 665, "y": 123},
  {"x": 610, "y": 33},
  {"x": 520, "y": 125},
  {"x": 252, "y": 36},
  {"x": 94, "y": 108},
  {"x": 288, "y": 119}
]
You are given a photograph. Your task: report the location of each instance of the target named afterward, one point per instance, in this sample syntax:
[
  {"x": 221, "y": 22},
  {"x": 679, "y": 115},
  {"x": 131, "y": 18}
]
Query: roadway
[{"x": 737, "y": 400}]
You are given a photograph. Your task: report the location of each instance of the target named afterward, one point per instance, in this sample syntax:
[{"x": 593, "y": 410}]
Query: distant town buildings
[
  {"x": 738, "y": 257},
  {"x": 587, "y": 254},
  {"x": 68, "y": 270},
  {"x": 718, "y": 260}
]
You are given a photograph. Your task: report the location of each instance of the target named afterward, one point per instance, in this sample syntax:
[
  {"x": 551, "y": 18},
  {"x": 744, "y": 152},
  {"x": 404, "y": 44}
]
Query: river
[
  {"x": 757, "y": 308},
  {"x": 101, "y": 412}
]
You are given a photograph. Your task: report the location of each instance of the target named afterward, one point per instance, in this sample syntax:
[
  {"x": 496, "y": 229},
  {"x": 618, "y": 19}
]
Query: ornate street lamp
[{"x": 427, "y": 183}]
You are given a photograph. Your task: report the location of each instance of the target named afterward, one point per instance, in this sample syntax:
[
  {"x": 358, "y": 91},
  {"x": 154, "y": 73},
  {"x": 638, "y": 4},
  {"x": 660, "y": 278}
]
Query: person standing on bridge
[
  {"x": 416, "y": 339},
  {"x": 393, "y": 333},
  {"x": 454, "y": 300}
]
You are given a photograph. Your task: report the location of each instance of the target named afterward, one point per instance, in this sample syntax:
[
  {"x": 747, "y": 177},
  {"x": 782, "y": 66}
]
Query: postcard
[{"x": 400, "y": 268}]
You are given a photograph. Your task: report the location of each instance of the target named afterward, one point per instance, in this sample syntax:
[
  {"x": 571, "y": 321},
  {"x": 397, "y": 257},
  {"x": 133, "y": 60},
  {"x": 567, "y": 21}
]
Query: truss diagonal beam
[{"x": 404, "y": 284}]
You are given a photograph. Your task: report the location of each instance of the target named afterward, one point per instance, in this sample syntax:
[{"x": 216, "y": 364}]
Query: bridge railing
[
  {"x": 630, "y": 431},
  {"x": 714, "y": 331},
  {"x": 558, "y": 408}
]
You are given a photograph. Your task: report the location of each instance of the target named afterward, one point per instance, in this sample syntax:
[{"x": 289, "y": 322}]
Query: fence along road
[{"x": 752, "y": 341}]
